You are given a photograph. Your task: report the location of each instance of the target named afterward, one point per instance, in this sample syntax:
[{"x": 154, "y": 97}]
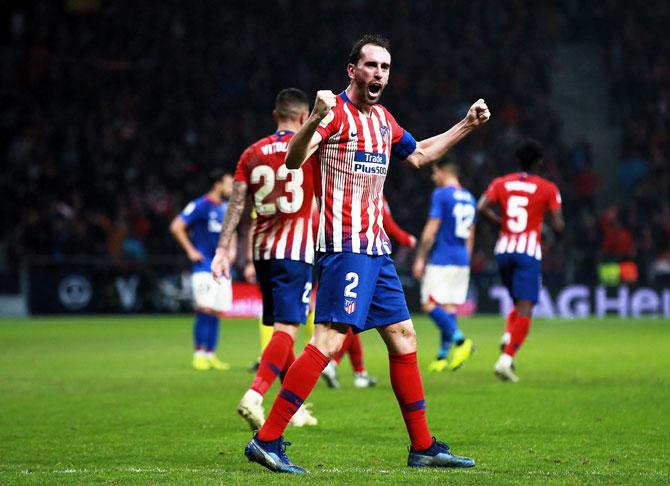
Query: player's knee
[
  {"x": 290, "y": 329},
  {"x": 400, "y": 338},
  {"x": 328, "y": 340},
  {"x": 329, "y": 347},
  {"x": 428, "y": 307},
  {"x": 524, "y": 308}
]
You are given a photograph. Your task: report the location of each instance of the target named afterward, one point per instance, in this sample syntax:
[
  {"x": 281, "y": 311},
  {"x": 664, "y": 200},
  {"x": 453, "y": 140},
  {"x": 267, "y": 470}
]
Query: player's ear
[
  {"x": 351, "y": 70},
  {"x": 275, "y": 116}
]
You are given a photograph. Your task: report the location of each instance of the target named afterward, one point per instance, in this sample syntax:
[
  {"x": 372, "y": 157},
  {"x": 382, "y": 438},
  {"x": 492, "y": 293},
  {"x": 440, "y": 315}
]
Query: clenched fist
[
  {"x": 478, "y": 114},
  {"x": 325, "y": 101}
]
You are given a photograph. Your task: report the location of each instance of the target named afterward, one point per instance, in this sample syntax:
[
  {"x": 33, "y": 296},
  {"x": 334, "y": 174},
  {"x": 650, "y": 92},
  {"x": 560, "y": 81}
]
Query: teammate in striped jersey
[
  {"x": 353, "y": 138},
  {"x": 283, "y": 246},
  {"x": 523, "y": 198}
]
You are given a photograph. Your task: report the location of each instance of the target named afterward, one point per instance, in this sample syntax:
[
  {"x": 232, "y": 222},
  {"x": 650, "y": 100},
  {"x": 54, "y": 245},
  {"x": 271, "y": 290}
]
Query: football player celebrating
[
  {"x": 353, "y": 137},
  {"x": 523, "y": 198}
]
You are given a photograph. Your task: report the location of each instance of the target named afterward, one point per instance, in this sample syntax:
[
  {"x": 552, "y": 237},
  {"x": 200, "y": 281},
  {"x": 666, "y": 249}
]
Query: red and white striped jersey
[
  {"x": 523, "y": 199},
  {"x": 350, "y": 169},
  {"x": 283, "y": 200}
]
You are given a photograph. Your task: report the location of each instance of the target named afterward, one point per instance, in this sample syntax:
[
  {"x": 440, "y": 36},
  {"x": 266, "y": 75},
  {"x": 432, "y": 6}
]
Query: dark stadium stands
[{"x": 113, "y": 112}]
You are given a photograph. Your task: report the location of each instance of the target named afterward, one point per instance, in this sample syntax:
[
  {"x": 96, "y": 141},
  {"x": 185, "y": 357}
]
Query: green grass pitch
[{"x": 113, "y": 400}]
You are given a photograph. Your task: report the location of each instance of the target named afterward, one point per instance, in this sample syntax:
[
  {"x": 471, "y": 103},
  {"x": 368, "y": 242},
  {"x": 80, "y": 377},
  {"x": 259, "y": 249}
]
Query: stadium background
[{"x": 113, "y": 112}]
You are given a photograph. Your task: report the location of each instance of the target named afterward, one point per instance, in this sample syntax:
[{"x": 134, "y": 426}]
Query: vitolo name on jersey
[
  {"x": 275, "y": 147},
  {"x": 370, "y": 163}
]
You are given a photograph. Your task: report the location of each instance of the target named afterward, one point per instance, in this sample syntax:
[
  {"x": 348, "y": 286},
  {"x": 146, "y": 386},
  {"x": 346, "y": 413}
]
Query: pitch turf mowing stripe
[{"x": 113, "y": 399}]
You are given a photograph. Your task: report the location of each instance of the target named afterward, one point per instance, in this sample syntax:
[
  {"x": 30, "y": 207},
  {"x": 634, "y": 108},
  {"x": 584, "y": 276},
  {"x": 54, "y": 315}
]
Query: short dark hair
[
  {"x": 529, "y": 153},
  {"x": 289, "y": 102},
  {"x": 376, "y": 39},
  {"x": 215, "y": 175},
  {"x": 447, "y": 164}
]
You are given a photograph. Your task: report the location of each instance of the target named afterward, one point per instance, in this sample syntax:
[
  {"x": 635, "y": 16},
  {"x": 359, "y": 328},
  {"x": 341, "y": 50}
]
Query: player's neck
[
  {"x": 357, "y": 99},
  {"x": 288, "y": 126},
  {"x": 450, "y": 181},
  {"x": 214, "y": 197}
]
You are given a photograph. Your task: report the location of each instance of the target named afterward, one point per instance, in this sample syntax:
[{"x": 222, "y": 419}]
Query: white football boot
[
  {"x": 303, "y": 416},
  {"x": 504, "y": 368},
  {"x": 329, "y": 374},
  {"x": 251, "y": 409},
  {"x": 362, "y": 380}
]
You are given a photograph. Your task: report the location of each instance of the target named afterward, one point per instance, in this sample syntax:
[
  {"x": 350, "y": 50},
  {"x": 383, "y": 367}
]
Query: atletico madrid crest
[{"x": 349, "y": 306}]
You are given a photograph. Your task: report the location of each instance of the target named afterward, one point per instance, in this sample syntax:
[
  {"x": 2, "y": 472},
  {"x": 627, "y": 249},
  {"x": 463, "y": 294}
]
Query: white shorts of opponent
[
  {"x": 445, "y": 284},
  {"x": 207, "y": 294}
]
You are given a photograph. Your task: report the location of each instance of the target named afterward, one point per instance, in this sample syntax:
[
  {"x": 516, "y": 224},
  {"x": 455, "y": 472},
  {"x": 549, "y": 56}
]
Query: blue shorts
[
  {"x": 286, "y": 286},
  {"x": 521, "y": 274},
  {"x": 363, "y": 291}
]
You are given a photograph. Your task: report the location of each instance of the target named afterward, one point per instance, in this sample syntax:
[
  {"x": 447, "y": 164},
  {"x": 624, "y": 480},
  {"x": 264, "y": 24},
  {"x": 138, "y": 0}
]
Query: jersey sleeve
[
  {"x": 330, "y": 123},
  {"x": 242, "y": 169},
  {"x": 395, "y": 232},
  {"x": 192, "y": 212},
  {"x": 435, "y": 211},
  {"x": 554, "y": 198},
  {"x": 403, "y": 143},
  {"x": 492, "y": 192}
]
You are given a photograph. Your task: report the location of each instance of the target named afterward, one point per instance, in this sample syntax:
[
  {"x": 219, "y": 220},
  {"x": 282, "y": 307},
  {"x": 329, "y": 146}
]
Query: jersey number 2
[
  {"x": 293, "y": 185},
  {"x": 351, "y": 277}
]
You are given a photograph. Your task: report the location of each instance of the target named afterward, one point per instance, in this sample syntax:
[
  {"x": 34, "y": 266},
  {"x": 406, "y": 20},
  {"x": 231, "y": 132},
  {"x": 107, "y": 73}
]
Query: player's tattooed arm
[
  {"x": 434, "y": 148},
  {"x": 306, "y": 140},
  {"x": 233, "y": 214},
  {"x": 221, "y": 262},
  {"x": 485, "y": 208},
  {"x": 425, "y": 245}
]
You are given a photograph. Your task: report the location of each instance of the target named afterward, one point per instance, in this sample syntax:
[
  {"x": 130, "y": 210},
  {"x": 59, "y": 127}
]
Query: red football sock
[
  {"x": 510, "y": 320},
  {"x": 408, "y": 389},
  {"x": 356, "y": 354},
  {"x": 520, "y": 329},
  {"x": 289, "y": 361},
  {"x": 345, "y": 347},
  {"x": 273, "y": 361},
  {"x": 299, "y": 381}
]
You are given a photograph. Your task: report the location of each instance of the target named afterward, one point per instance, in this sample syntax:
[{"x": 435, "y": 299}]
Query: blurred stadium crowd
[{"x": 114, "y": 112}]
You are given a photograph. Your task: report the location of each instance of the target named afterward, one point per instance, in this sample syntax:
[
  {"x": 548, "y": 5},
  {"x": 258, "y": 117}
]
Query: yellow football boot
[
  {"x": 201, "y": 363},
  {"x": 461, "y": 354},
  {"x": 438, "y": 365},
  {"x": 216, "y": 364}
]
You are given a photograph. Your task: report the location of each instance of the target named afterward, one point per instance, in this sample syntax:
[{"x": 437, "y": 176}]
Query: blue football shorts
[
  {"x": 286, "y": 286},
  {"x": 521, "y": 274},
  {"x": 363, "y": 291}
]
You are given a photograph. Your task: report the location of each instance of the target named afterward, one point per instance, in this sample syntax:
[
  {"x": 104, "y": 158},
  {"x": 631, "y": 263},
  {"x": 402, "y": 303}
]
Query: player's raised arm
[
  {"x": 221, "y": 261},
  {"x": 434, "y": 148},
  {"x": 306, "y": 140}
]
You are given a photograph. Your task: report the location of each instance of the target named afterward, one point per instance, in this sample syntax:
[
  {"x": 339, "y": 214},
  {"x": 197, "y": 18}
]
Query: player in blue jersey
[
  {"x": 443, "y": 261},
  {"x": 197, "y": 230}
]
